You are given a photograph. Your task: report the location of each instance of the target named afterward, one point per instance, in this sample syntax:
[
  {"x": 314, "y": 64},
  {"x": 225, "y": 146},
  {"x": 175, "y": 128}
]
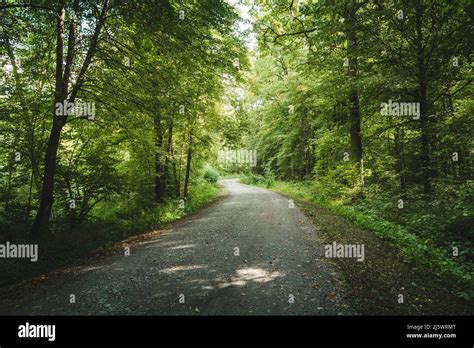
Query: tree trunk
[
  {"x": 354, "y": 125},
  {"x": 399, "y": 164},
  {"x": 160, "y": 185},
  {"x": 46, "y": 200},
  {"x": 188, "y": 165},
  {"x": 46, "y": 196},
  {"x": 354, "y": 108},
  {"x": 180, "y": 169},
  {"x": 424, "y": 106},
  {"x": 169, "y": 147},
  {"x": 177, "y": 184},
  {"x": 9, "y": 181}
]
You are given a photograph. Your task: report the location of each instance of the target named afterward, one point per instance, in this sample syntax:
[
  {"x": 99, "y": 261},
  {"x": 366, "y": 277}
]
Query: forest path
[{"x": 280, "y": 268}]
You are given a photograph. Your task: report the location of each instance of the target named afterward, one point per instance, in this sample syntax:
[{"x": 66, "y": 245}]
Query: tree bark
[
  {"x": 424, "y": 105},
  {"x": 160, "y": 186},
  {"x": 169, "y": 147},
  {"x": 46, "y": 197},
  {"x": 354, "y": 108},
  {"x": 188, "y": 165},
  {"x": 399, "y": 164}
]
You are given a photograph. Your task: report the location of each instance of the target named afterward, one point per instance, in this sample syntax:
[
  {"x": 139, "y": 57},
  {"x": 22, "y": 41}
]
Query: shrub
[{"x": 210, "y": 174}]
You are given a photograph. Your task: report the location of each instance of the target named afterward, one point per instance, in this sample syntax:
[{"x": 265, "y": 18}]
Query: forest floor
[{"x": 249, "y": 253}]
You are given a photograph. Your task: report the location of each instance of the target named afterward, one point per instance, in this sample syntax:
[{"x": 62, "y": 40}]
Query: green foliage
[
  {"x": 210, "y": 174},
  {"x": 256, "y": 179}
]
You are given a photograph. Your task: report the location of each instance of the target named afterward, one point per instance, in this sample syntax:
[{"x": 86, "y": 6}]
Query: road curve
[{"x": 248, "y": 254}]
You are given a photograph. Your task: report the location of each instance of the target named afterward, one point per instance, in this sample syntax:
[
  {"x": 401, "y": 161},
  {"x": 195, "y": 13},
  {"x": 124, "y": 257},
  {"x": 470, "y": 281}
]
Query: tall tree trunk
[
  {"x": 354, "y": 126},
  {"x": 424, "y": 105},
  {"x": 30, "y": 193},
  {"x": 188, "y": 165},
  {"x": 399, "y": 164},
  {"x": 177, "y": 184},
  {"x": 72, "y": 211},
  {"x": 354, "y": 108},
  {"x": 46, "y": 196},
  {"x": 169, "y": 147},
  {"x": 160, "y": 185},
  {"x": 180, "y": 169},
  {"x": 9, "y": 181},
  {"x": 34, "y": 162}
]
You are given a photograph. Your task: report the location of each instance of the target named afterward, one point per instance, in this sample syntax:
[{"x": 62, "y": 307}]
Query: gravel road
[{"x": 249, "y": 253}]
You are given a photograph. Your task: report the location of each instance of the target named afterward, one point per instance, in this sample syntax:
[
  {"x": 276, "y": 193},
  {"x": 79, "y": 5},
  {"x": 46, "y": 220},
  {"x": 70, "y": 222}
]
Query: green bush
[
  {"x": 260, "y": 180},
  {"x": 210, "y": 174}
]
